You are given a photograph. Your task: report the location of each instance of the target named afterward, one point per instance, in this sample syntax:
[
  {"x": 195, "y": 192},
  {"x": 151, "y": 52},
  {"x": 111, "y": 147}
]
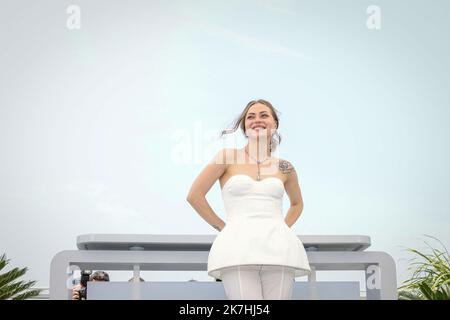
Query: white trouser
[{"x": 258, "y": 282}]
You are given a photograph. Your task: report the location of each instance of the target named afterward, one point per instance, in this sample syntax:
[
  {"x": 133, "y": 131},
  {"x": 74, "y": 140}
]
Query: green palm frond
[
  {"x": 430, "y": 279},
  {"x": 10, "y": 285},
  {"x": 11, "y": 275},
  {"x": 409, "y": 295}
]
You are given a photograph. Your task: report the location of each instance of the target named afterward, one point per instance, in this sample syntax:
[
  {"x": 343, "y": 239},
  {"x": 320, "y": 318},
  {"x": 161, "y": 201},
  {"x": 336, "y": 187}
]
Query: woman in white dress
[{"x": 256, "y": 255}]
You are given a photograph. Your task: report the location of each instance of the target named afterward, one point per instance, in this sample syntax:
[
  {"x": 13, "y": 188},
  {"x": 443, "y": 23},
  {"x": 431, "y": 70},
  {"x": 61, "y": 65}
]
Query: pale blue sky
[{"x": 91, "y": 120}]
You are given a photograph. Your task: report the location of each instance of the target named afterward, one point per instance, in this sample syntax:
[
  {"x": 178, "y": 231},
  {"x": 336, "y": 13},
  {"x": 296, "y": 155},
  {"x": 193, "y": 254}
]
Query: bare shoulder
[
  {"x": 223, "y": 156},
  {"x": 285, "y": 166},
  {"x": 229, "y": 155},
  {"x": 287, "y": 169}
]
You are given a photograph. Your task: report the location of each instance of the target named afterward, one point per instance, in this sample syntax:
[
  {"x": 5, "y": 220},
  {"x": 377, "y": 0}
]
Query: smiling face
[{"x": 259, "y": 120}]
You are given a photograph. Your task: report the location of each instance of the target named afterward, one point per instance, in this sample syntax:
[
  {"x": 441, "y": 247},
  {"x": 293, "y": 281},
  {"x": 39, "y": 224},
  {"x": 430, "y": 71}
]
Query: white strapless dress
[{"x": 255, "y": 231}]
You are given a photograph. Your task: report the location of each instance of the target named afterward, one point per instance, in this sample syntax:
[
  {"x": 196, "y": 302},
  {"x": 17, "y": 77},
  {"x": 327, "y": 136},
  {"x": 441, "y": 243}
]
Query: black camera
[{"x": 85, "y": 276}]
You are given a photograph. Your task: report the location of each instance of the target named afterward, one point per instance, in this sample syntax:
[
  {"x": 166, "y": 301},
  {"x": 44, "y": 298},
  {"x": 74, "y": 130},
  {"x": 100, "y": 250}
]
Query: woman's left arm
[{"x": 293, "y": 191}]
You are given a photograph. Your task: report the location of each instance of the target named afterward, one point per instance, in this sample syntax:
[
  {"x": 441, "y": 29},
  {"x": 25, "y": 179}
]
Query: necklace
[{"x": 258, "y": 177}]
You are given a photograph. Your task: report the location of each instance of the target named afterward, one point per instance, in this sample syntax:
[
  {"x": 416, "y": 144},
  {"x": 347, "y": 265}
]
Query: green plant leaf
[
  {"x": 11, "y": 287},
  {"x": 431, "y": 274}
]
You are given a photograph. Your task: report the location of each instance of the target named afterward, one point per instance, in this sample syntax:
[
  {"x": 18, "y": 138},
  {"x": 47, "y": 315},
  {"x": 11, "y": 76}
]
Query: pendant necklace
[{"x": 258, "y": 177}]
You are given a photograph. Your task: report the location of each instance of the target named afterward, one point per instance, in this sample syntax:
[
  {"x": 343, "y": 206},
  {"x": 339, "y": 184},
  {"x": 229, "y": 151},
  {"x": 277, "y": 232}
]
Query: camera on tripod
[{"x": 85, "y": 276}]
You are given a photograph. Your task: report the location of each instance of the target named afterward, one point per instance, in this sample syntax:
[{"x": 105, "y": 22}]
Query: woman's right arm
[{"x": 202, "y": 184}]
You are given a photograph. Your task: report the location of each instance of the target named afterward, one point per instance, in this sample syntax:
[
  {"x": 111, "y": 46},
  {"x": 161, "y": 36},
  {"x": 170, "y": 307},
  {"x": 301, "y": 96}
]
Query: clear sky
[{"x": 104, "y": 128}]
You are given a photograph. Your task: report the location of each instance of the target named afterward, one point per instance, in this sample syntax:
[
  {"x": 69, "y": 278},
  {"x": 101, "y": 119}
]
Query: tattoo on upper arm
[{"x": 285, "y": 166}]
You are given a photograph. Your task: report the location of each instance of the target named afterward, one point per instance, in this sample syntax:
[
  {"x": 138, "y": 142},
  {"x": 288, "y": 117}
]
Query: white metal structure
[{"x": 190, "y": 252}]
